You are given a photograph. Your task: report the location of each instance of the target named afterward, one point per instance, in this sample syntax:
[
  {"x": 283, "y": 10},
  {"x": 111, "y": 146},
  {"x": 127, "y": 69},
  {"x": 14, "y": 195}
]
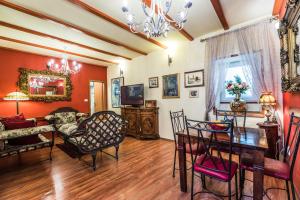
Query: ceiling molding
[
  {"x": 108, "y": 18},
  {"x": 54, "y": 49},
  {"x": 182, "y": 31},
  {"x": 279, "y": 8},
  {"x": 70, "y": 25},
  {"x": 219, "y": 11},
  {"x": 19, "y": 28}
]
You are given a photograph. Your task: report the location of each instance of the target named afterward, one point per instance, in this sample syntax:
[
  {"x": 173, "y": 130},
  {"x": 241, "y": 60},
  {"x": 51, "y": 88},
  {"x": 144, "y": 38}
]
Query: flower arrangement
[{"x": 237, "y": 87}]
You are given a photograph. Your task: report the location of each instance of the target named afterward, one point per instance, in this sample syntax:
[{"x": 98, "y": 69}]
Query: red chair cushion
[
  {"x": 13, "y": 118},
  {"x": 273, "y": 168},
  {"x": 209, "y": 169}
]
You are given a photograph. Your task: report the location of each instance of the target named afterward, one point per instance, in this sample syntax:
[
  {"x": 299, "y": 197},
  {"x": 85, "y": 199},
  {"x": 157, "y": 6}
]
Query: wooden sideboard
[{"x": 142, "y": 122}]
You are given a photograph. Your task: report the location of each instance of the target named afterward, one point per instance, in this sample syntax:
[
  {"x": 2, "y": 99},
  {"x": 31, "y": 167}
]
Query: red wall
[
  {"x": 11, "y": 60},
  {"x": 292, "y": 101}
]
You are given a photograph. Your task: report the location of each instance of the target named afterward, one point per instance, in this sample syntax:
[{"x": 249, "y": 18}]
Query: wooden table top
[{"x": 249, "y": 138}]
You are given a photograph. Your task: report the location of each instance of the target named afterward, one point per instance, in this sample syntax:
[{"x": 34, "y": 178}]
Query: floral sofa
[
  {"x": 7, "y": 149},
  {"x": 95, "y": 133}
]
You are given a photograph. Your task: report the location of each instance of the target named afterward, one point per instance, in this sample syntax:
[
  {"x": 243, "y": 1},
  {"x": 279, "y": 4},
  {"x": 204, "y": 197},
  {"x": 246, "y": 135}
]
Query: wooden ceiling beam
[
  {"x": 70, "y": 25},
  {"x": 54, "y": 49},
  {"x": 19, "y": 28},
  {"x": 182, "y": 31},
  {"x": 108, "y": 18},
  {"x": 219, "y": 11}
]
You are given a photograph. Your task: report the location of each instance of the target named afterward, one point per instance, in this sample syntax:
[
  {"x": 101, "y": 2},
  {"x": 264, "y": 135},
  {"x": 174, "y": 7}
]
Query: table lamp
[
  {"x": 267, "y": 100},
  {"x": 16, "y": 96}
]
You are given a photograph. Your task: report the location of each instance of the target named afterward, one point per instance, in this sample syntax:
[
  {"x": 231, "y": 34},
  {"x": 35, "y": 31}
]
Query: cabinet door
[
  {"x": 148, "y": 123},
  {"x": 132, "y": 127}
]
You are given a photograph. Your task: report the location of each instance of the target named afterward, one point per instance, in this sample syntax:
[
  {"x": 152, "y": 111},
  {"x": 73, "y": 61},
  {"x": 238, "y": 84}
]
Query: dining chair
[
  {"x": 235, "y": 115},
  {"x": 178, "y": 126},
  {"x": 283, "y": 170},
  {"x": 216, "y": 167}
]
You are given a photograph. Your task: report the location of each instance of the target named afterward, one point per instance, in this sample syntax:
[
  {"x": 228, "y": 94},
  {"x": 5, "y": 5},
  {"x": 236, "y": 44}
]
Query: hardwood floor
[{"x": 143, "y": 172}]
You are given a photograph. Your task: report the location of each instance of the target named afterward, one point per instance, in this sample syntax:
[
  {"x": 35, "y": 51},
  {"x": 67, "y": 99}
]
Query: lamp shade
[
  {"x": 16, "y": 96},
  {"x": 267, "y": 99}
]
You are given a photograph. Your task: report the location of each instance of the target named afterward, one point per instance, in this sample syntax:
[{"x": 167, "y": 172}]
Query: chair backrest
[
  {"x": 102, "y": 129},
  {"x": 178, "y": 123},
  {"x": 212, "y": 134},
  {"x": 235, "y": 115},
  {"x": 292, "y": 142}
]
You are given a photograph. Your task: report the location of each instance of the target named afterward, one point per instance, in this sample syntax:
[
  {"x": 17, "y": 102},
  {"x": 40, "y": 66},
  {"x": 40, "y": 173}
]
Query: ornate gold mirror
[
  {"x": 290, "y": 42},
  {"x": 45, "y": 85}
]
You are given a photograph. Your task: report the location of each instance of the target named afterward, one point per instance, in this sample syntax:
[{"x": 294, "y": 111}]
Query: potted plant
[{"x": 237, "y": 88}]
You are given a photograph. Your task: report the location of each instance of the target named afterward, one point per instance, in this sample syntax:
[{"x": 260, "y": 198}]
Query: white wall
[{"x": 188, "y": 56}]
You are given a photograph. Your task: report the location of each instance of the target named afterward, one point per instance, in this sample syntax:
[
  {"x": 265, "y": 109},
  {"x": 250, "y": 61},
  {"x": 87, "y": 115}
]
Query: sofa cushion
[
  {"x": 17, "y": 133},
  {"x": 2, "y": 126},
  {"x": 65, "y": 117},
  {"x": 17, "y": 124},
  {"x": 67, "y": 129},
  {"x": 13, "y": 118}
]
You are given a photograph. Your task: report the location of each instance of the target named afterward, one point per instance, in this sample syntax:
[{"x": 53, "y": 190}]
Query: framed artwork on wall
[
  {"x": 194, "y": 94},
  {"x": 171, "y": 86},
  {"x": 116, "y": 84},
  {"x": 194, "y": 78},
  {"x": 153, "y": 82}
]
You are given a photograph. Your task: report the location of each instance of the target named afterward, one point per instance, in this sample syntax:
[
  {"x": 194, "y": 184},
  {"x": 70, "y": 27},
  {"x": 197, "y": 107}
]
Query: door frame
[{"x": 105, "y": 93}]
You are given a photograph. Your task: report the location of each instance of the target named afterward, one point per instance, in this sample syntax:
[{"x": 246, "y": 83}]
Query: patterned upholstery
[
  {"x": 65, "y": 118},
  {"x": 67, "y": 129},
  {"x": 2, "y": 127},
  {"x": 101, "y": 130},
  {"x": 11, "y": 134}
]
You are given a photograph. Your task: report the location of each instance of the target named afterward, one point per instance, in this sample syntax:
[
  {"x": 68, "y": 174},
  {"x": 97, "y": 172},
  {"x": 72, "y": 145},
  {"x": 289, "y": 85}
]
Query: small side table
[{"x": 271, "y": 130}]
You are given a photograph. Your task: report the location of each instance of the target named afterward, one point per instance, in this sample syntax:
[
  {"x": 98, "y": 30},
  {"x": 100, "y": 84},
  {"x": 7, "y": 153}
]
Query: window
[{"x": 236, "y": 68}]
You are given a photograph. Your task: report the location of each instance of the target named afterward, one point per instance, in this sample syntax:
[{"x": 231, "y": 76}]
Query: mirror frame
[
  {"x": 289, "y": 52},
  {"x": 24, "y": 85}
]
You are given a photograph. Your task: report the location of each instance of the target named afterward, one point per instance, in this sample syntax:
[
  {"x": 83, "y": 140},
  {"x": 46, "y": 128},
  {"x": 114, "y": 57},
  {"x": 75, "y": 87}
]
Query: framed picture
[
  {"x": 171, "y": 86},
  {"x": 194, "y": 94},
  {"x": 150, "y": 103},
  {"x": 153, "y": 82},
  {"x": 116, "y": 84},
  {"x": 194, "y": 78}
]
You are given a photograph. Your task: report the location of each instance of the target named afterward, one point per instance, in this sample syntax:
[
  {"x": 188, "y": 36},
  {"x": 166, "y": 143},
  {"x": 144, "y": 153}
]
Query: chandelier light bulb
[{"x": 74, "y": 63}]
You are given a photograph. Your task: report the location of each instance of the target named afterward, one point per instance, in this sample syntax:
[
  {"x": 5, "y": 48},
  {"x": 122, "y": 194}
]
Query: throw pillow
[{"x": 17, "y": 124}]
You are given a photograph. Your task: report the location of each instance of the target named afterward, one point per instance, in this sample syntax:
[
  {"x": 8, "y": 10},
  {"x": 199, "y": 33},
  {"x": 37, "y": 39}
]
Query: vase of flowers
[{"x": 237, "y": 88}]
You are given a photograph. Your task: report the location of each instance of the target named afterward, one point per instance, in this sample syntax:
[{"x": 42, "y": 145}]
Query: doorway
[{"x": 97, "y": 96}]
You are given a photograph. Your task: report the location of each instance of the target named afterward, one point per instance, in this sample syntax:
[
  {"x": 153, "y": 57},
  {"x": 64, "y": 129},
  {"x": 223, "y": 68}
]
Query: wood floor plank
[{"x": 143, "y": 172}]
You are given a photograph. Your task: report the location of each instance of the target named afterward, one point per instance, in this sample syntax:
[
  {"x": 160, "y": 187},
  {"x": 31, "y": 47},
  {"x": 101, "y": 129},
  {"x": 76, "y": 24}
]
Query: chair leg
[
  {"x": 50, "y": 154},
  {"x": 236, "y": 186},
  {"x": 229, "y": 190},
  {"x": 287, "y": 189},
  {"x": 174, "y": 162},
  {"x": 117, "y": 150},
  {"x": 94, "y": 154},
  {"x": 192, "y": 189},
  {"x": 203, "y": 181},
  {"x": 293, "y": 190}
]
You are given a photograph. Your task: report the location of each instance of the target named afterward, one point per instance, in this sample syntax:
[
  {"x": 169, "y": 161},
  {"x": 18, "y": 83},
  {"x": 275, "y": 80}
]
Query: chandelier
[
  {"x": 157, "y": 22},
  {"x": 64, "y": 67}
]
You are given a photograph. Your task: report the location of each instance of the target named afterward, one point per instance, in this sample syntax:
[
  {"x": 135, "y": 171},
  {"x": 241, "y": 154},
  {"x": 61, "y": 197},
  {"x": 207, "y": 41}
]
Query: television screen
[{"x": 132, "y": 95}]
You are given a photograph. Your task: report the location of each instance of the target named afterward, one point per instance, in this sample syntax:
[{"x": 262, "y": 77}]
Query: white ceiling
[{"x": 202, "y": 19}]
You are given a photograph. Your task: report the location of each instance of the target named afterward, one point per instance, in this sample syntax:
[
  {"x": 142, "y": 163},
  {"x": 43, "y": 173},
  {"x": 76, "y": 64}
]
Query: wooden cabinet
[{"x": 142, "y": 122}]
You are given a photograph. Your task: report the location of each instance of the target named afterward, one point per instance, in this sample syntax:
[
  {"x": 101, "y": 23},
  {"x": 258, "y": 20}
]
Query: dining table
[{"x": 248, "y": 141}]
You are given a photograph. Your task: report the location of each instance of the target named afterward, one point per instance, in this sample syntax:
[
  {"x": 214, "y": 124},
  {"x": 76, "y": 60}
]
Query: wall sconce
[
  {"x": 122, "y": 67},
  {"x": 171, "y": 52},
  {"x": 170, "y": 60}
]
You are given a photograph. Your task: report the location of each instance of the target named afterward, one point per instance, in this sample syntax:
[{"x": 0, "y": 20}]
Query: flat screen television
[{"x": 132, "y": 95}]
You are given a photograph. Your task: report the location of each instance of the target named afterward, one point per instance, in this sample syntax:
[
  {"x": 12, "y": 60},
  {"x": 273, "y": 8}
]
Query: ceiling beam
[
  {"x": 54, "y": 49},
  {"x": 19, "y": 28},
  {"x": 108, "y": 18},
  {"x": 219, "y": 11},
  {"x": 182, "y": 31},
  {"x": 279, "y": 8},
  {"x": 70, "y": 25}
]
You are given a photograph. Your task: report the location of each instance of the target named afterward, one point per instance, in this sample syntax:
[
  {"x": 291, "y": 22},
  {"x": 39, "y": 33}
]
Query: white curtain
[
  {"x": 258, "y": 46},
  {"x": 217, "y": 50}
]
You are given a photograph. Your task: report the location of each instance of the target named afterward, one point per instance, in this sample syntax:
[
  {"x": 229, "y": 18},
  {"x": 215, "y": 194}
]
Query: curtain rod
[{"x": 240, "y": 28}]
